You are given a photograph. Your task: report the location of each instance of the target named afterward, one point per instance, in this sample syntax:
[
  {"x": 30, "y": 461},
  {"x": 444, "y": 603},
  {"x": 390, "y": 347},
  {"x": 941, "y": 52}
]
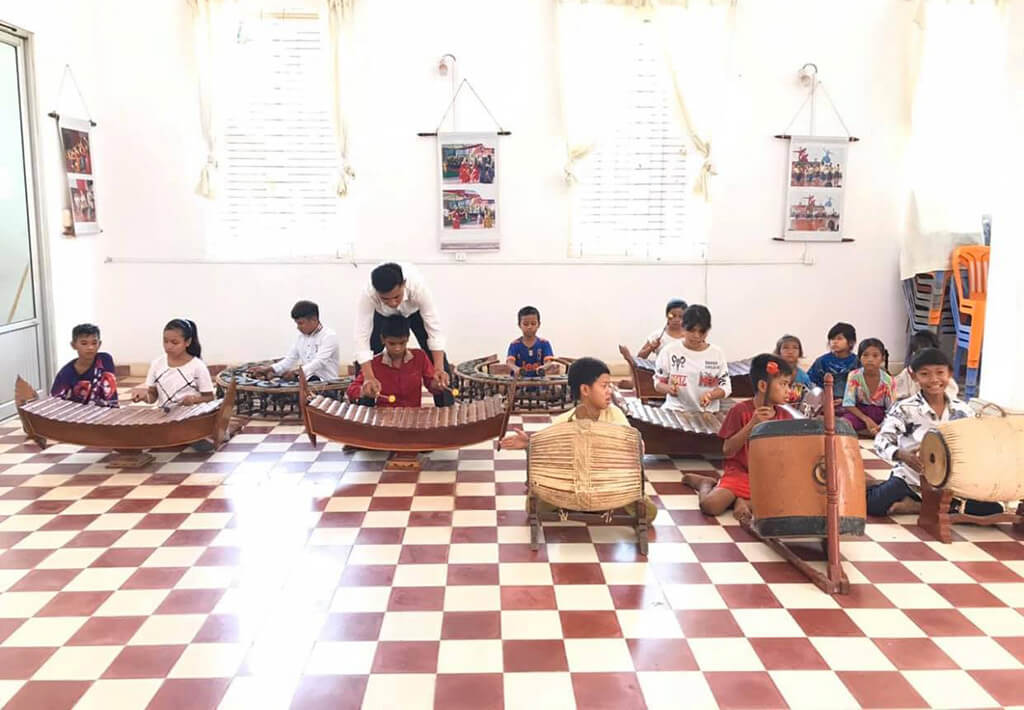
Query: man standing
[{"x": 399, "y": 289}]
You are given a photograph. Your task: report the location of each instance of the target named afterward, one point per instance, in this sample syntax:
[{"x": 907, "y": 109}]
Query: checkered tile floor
[{"x": 273, "y": 575}]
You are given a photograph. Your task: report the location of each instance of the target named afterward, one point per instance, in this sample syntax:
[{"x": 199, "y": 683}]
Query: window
[
  {"x": 633, "y": 192},
  {"x": 279, "y": 154}
]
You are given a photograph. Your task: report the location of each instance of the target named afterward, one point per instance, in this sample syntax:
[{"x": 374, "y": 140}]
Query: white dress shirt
[
  {"x": 316, "y": 353},
  {"x": 417, "y": 297}
]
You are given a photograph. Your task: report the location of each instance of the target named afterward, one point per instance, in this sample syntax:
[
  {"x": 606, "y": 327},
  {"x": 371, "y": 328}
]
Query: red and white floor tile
[{"x": 274, "y": 575}]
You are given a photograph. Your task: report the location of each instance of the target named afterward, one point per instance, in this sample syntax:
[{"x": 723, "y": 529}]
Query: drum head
[{"x": 935, "y": 457}]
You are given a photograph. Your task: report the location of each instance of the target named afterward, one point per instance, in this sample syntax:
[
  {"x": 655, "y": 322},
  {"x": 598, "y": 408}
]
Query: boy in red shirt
[
  {"x": 771, "y": 377},
  {"x": 402, "y": 372}
]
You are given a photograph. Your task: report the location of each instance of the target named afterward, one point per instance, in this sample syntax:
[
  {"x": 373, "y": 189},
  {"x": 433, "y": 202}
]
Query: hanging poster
[
  {"x": 816, "y": 182},
  {"x": 78, "y": 167},
  {"x": 468, "y": 165}
]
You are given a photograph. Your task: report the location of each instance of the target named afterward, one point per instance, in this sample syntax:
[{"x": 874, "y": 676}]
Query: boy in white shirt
[
  {"x": 693, "y": 374},
  {"x": 315, "y": 351}
]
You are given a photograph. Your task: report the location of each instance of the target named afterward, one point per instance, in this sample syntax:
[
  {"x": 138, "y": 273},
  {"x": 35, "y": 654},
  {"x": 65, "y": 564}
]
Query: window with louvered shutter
[
  {"x": 279, "y": 155},
  {"x": 633, "y": 191}
]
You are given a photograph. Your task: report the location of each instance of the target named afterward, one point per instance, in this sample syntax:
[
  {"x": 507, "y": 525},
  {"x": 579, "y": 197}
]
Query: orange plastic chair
[{"x": 972, "y": 261}]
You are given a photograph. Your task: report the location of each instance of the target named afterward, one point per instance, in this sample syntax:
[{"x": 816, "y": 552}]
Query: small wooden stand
[
  {"x": 936, "y": 518},
  {"x": 833, "y": 580},
  {"x": 612, "y": 517},
  {"x": 405, "y": 461},
  {"x": 129, "y": 459}
]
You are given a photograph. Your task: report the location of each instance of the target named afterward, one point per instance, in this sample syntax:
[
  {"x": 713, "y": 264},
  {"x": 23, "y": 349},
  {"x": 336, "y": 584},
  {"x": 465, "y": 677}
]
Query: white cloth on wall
[
  {"x": 214, "y": 25},
  {"x": 959, "y": 119}
]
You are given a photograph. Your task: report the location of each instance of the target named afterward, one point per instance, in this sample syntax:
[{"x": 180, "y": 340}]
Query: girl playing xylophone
[{"x": 178, "y": 376}]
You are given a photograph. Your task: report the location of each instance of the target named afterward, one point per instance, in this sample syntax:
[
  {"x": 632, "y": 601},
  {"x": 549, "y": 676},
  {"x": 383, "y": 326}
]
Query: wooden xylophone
[
  {"x": 487, "y": 376},
  {"x": 127, "y": 428},
  {"x": 642, "y": 371},
  {"x": 405, "y": 428},
  {"x": 673, "y": 433}
]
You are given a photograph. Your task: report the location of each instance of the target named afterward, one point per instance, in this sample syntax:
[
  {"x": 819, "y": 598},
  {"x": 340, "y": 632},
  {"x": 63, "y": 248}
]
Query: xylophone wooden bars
[
  {"x": 404, "y": 428},
  {"x": 120, "y": 428},
  {"x": 673, "y": 433}
]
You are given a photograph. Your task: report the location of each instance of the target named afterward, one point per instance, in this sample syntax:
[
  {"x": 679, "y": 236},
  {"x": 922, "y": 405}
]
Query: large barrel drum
[
  {"x": 787, "y": 479},
  {"x": 979, "y": 459}
]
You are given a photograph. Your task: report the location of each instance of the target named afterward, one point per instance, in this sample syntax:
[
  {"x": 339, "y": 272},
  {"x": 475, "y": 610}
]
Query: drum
[
  {"x": 586, "y": 466},
  {"x": 787, "y": 479},
  {"x": 978, "y": 459}
]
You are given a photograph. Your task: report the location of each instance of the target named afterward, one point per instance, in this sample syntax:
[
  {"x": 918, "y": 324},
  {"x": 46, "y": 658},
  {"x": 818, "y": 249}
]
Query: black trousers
[
  {"x": 443, "y": 399},
  {"x": 882, "y": 496}
]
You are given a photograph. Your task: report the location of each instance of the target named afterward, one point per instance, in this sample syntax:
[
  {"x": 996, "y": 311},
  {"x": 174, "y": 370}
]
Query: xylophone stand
[
  {"x": 833, "y": 580},
  {"x": 404, "y": 461},
  {"x": 129, "y": 459}
]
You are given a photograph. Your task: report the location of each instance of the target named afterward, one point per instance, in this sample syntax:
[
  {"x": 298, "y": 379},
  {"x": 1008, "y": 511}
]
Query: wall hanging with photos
[
  {"x": 469, "y": 209},
  {"x": 816, "y": 175},
  {"x": 79, "y": 215}
]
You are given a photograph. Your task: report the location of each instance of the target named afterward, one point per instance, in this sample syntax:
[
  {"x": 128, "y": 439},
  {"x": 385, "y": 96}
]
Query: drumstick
[{"x": 391, "y": 399}]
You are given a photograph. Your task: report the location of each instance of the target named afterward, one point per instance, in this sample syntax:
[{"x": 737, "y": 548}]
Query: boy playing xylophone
[{"x": 402, "y": 372}]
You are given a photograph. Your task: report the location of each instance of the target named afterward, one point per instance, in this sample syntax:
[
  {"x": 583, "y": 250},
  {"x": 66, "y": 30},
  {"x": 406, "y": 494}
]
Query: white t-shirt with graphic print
[
  {"x": 174, "y": 383},
  {"x": 694, "y": 373}
]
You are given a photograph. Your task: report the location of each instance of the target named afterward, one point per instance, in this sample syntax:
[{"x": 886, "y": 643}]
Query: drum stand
[
  {"x": 833, "y": 580},
  {"x": 936, "y": 518}
]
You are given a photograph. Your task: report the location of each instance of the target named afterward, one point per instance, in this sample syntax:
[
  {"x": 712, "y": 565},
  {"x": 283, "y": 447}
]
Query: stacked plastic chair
[
  {"x": 967, "y": 297},
  {"x": 927, "y": 309}
]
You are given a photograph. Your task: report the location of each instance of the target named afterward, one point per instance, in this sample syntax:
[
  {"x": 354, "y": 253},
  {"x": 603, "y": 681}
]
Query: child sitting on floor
[
  {"x": 178, "y": 376},
  {"x": 90, "y": 378},
  {"x": 692, "y": 373},
  {"x": 401, "y": 372},
  {"x": 869, "y": 387},
  {"x": 590, "y": 382},
  {"x": 903, "y": 430},
  {"x": 315, "y": 351},
  {"x": 529, "y": 355},
  {"x": 838, "y": 362},
  {"x": 790, "y": 349},
  {"x": 904, "y": 385},
  {"x": 672, "y": 331},
  {"x": 771, "y": 377}
]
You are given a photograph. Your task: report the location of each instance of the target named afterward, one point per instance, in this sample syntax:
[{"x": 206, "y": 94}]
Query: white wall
[
  {"x": 1002, "y": 379},
  {"x": 139, "y": 81}
]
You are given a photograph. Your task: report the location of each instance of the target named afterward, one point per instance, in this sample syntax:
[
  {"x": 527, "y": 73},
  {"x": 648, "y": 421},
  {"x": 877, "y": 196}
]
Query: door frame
[{"x": 39, "y": 250}]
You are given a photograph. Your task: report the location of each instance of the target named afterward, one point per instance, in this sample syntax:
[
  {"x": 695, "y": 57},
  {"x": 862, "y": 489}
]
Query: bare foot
[
  {"x": 742, "y": 512},
  {"x": 907, "y": 506},
  {"x": 699, "y": 483}
]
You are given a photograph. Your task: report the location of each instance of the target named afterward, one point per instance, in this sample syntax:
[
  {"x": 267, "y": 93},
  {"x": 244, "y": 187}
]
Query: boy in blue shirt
[
  {"x": 839, "y": 361},
  {"x": 529, "y": 355}
]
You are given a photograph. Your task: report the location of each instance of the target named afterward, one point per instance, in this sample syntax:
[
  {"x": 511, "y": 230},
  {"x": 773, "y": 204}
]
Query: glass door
[{"x": 21, "y": 326}]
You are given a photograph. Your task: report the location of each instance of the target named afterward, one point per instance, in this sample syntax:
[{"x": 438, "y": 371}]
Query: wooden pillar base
[
  {"x": 129, "y": 459},
  {"x": 405, "y": 461}
]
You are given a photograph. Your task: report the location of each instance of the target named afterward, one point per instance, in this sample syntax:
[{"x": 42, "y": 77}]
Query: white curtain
[
  {"x": 959, "y": 115},
  {"x": 339, "y": 27},
  {"x": 593, "y": 52},
  {"x": 215, "y": 25},
  {"x": 592, "y": 55},
  {"x": 697, "y": 41}
]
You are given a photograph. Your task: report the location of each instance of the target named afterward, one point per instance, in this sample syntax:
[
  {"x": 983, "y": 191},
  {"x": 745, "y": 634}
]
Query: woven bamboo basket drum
[
  {"x": 787, "y": 479},
  {"x": 979, "y": 459},
  {"x": 586, "y": 466}
]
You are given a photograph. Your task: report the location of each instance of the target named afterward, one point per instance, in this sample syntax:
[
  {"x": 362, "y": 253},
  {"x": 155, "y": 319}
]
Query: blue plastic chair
[{"x": 963, "y": 338}]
